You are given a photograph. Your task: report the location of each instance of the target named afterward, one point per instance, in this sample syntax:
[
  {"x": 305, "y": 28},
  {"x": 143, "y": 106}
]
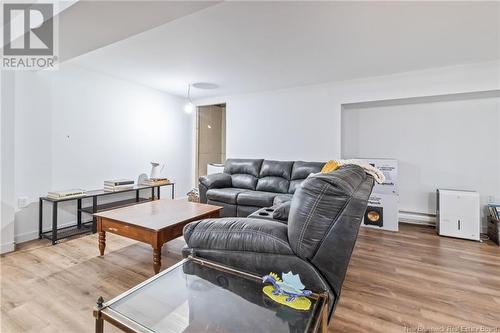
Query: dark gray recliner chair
[{"x": 317, "y": 242}]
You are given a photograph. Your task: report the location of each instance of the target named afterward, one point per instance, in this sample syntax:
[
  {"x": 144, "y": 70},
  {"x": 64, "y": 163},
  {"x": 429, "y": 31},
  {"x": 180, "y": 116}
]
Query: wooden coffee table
[{"x": 154, "y": 223}]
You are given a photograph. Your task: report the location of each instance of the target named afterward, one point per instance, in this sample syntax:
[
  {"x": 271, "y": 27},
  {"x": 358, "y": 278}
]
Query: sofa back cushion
[
  {"x": 325, "y": 214},
  {"x": 268, "y": 175},
  {"x": 300, "y": 171},
  {"x": 317, "y": 205},
  {"x": 244, "y": 172},
  {"x": 274, "y": 176}
]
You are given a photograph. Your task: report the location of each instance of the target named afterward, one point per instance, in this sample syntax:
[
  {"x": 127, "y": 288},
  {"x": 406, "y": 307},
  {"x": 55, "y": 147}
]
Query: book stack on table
[
  {"x": 118, "y": 185},
  {"x": 66, "y": 194},
  {"x": 155, "y": 181}
]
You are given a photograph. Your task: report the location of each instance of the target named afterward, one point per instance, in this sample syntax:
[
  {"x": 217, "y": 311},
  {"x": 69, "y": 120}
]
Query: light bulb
[{"x": 189, "y": 107}]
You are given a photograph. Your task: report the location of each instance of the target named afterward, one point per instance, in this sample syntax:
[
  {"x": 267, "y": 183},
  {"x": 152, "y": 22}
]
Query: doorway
[{"x": 211, "y": 137}]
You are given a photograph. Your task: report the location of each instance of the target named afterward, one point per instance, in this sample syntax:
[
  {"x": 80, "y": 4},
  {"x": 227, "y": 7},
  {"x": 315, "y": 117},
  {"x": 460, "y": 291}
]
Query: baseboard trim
[
  {"x": 26, "y": 237},
  {"x": 31, "y": 235},
  {"x": 424, "y": 219},
  {"x": 417, "y": 218},
  {"x": 430, "y": 224},
  {"x": 6, "y": 248}
]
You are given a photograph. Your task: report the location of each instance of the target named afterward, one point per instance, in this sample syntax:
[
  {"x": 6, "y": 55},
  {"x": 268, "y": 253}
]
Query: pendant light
[{"x": 189, "y": 107}]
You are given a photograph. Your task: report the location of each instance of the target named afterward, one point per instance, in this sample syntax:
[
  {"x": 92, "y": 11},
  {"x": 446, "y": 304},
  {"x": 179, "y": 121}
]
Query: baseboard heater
[{"x": 417, "y": 218}]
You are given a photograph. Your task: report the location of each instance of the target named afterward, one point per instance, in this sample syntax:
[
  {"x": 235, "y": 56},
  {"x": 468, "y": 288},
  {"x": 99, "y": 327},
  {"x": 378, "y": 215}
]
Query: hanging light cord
[{"x": 189, "y": 93}]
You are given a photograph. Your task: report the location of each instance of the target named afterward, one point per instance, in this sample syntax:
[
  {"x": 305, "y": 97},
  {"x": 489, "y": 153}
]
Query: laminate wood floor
[{"x": 397, "y": 282}]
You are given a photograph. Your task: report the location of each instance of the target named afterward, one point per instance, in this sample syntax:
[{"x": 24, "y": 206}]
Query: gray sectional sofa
[{"x": 246, "y": 185}]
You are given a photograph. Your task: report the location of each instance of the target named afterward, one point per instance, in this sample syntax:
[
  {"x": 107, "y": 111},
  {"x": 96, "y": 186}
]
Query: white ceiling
[
  {"x": 17, "y": 24},
  {"x": 254, "y": 46},
  {"x": 89, "y": 25}
]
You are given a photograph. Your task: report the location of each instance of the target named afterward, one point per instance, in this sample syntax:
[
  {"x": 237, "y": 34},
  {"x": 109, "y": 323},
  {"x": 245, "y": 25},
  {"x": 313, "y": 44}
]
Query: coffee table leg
[
  {"x": 99, "y": 326},
  {"x": 157, "y": 259},
  {"x": 324, "y": 320},
  {"x": 102, "y": 242},
  {"x": 99, "y": 322}
]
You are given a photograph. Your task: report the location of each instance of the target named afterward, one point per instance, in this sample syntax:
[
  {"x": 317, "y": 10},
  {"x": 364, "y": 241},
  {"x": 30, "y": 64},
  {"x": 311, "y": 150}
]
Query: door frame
[{"x": 197, "y": 136}]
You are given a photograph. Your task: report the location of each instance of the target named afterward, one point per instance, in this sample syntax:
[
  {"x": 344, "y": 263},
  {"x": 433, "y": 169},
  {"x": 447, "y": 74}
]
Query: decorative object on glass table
[{"x": 288, "y": 291}]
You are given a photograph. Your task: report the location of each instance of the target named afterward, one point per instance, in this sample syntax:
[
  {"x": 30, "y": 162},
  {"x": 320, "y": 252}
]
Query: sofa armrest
[
  {"x": 216, "y": 180},
  {"x": 282, "y": 211},
  {"x": 238, "y": 234}
]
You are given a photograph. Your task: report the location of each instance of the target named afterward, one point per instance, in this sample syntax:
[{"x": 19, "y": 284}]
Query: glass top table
[{"x": 196, "y": 295}]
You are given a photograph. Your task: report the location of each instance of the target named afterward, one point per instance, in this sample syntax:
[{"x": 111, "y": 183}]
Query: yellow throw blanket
[{"x": 333, "y": 165}]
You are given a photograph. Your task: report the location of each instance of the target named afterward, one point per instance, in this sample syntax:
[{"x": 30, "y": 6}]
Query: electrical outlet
[
  {"x": 22, "y": 202},
  {"x": 491, "y": 199}
]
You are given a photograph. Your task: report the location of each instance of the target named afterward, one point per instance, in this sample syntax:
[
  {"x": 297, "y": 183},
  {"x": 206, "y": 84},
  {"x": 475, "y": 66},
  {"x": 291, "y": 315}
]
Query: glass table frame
[{"x": 103, "y": 311}]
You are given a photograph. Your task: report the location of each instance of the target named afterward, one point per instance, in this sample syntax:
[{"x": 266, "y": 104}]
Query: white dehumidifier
[{"x": 458, "y": 214}]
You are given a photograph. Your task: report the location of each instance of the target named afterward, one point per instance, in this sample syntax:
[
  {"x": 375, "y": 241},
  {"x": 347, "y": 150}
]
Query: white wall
[
  {"x": 305, "y": 122},
  {"x": 76, "y": 128},
  {"x": 285, "y": 125},
  {"x": 450, "y": 142},
  {"x": 297, "y": 123},
  {"x": 7, "y": 206}
]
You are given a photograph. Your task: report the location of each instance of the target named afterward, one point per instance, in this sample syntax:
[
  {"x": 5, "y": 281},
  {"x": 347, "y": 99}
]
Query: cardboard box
[{"x": 383, "y": 205}]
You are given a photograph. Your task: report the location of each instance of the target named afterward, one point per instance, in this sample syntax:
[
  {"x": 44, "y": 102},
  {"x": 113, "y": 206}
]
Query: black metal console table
[{"x": 80, "y": 227}]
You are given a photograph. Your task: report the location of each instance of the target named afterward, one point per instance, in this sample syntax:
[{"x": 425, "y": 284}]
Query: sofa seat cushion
[
  {"x": 281, "y": 198},
  {"x": 226, "y": 195},
  {"x": 256, "y": 198}
]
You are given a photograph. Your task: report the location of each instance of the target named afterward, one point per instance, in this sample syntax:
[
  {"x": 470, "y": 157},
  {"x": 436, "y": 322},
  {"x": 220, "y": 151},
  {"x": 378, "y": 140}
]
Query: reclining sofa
[
  {"x": 315, "y": 241},
  {"x": 247, "y": 185}
]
